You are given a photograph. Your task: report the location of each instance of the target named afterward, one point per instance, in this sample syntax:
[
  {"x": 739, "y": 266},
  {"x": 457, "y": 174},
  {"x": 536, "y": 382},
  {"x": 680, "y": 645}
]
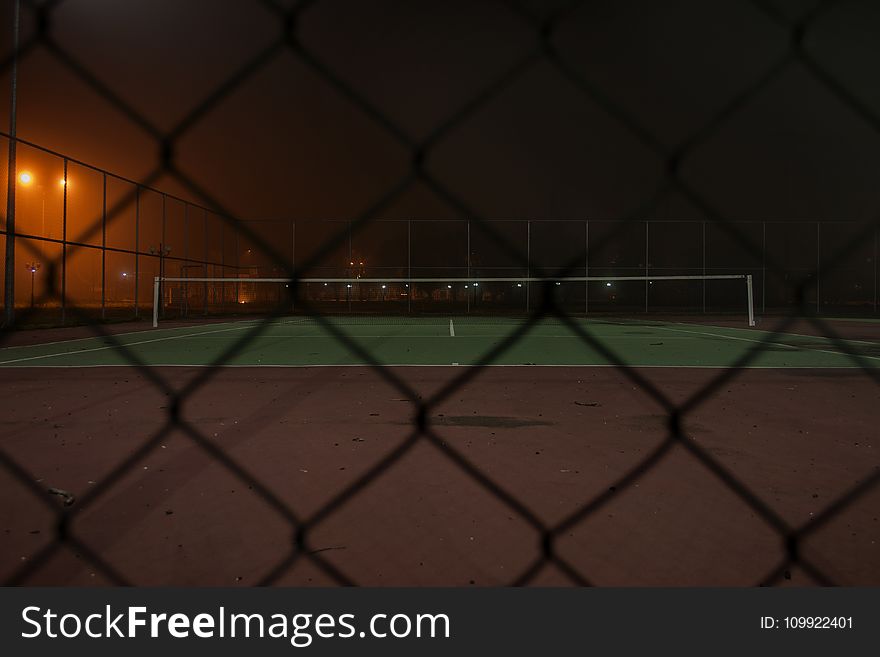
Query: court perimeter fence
[
  {"x": 125, "y": 228},
  {"x": 107, "y": 272}
]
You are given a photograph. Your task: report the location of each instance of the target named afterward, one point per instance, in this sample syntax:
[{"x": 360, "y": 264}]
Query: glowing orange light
[
  {"x": 62, "y": 182},
  {"x": 25, "y": 178}
]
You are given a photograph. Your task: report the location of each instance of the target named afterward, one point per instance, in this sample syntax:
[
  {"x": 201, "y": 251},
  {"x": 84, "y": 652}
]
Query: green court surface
[{"x": 448, "y": 342}]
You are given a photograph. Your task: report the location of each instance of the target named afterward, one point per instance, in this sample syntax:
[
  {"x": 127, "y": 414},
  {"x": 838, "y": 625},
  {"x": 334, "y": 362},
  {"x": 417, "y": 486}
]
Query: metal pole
[
  {"x": 293, "y": 262},
  {"x": 409, "y": 290},
  {"x": 349, "y": 288},
  {"x": 764, "y": 267},
  {"x": 236, "y": 248},
  {"x": 104, "y": 248},
  {"x": 818, "y": 264},
  {"x": 467, "y": 286},
  {"x": 156, "y": 302},
  {"x": 9, "y": 288},
  {"x": 646, "y": 266},
  {"x": 184, "y": 302},
  {"x": 876, "y": 234},
  {"x": 586, "y": 266},
  {"x": 162, "y": 256},
  {"x": 64, "y": 248},
  {"x": 137, "y": 246},
  {"x": 750, "y": 299},
  {"x": 528, "y": 261},
  {"x": 704, "y": 267},
  {"x": 207, "y": 256}
]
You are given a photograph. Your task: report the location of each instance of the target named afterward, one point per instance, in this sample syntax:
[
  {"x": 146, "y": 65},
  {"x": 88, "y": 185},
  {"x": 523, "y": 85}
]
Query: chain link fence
[{"x": 834, "y": 258}]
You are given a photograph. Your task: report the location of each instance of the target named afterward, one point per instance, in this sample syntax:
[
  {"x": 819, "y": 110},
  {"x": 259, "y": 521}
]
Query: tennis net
[{"x": 602, "y": 296}]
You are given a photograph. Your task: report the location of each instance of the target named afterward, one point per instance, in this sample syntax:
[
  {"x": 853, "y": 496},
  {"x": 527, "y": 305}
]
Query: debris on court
[{"x": 69, "y": 498}]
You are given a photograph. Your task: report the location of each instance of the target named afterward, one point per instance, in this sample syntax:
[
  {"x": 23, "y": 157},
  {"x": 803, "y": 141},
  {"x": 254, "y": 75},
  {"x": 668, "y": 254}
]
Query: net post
[
  {"x": 750, "y": 299},
  {"x": 156, "y": 302}
]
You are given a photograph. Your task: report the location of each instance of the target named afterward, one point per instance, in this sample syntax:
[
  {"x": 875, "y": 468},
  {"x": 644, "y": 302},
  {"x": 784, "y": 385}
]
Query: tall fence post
[
  {"x": 207, "y": 257},
  {"x": 409, "y": 289},
  {"x": 64, "y": 247},
  {"x": 293, "y": 263},
  {"x": 818, "y": 265},
  {"x": 467, "y": 285},
  {"x": 137, "y": 247},
  {"x": 351, "y": 270},
  {"x": 528, "y": 262},
  {"x": 184, "y": 298},
  {"x": 104, "y": 247},
  {"x": 646, "y": 264},
  {"x": 704, "y": 266},
  {"x": 876, "y": 237},
  {"x": 586, "y": 266},
  {"x": 9, "y": 288},
  {"x": 764, "y": 267}
]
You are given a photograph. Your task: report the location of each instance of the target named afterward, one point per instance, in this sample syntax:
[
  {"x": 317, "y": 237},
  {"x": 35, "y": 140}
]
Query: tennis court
[
  {"x": 295, "y": 464},
  {"x": 452, "y": 341}
]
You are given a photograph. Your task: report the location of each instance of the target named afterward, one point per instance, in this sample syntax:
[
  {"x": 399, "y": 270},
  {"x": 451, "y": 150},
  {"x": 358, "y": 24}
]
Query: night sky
[{"x": 581, "y": 125}]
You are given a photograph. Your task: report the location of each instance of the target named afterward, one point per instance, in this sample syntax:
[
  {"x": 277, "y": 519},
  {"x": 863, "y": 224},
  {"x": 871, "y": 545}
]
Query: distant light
[
  {"x": 558, "y": 283},
  {"x": 351, "y": 263},
  {"x": 519, "y": 284},
  {"x": 362, "y": 263},
  {"x": 465, "y": 287},
  {"x": 62, "y": 182},
  {"x": 349, "y": 285},
  {"x": 449, "y": 286},
  {"x": 476, "y": 285},
  {"x": 125, "y": 274},
  {"x": 383, "y": 287},
  {"x": 607, "y": 284},
  {"x": 325, "y": 285},
  {"x": 407, "y": 284},
  {"x": 25, "y": 178}
]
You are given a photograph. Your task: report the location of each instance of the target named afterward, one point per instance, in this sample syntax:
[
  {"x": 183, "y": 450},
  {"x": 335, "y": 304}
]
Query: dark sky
[{"x": 582, "y": 133}]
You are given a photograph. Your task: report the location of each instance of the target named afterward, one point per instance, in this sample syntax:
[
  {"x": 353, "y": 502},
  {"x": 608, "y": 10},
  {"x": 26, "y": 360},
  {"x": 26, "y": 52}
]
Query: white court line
[
  {"x": 779, "y": 344},
  {"x": 800, "y": 335},
  {"x": 451, "y": 329},
  {"x": 399, "y": 336},
  {"x": 324, "y": 365},
  {"x": 119, "y": 335},
  {"x": 113, "y": 346}
]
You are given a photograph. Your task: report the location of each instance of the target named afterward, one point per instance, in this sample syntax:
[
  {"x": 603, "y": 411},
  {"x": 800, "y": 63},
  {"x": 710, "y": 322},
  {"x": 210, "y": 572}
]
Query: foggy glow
[
  {"x": 62, "y": 182},
  {"x": 25, "y": 178}
]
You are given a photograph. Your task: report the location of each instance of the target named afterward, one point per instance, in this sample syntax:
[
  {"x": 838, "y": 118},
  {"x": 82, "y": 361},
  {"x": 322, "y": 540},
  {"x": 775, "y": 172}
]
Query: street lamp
[
  {"x": 32, "y": 267},
  {"x": 27, "y": 179}
]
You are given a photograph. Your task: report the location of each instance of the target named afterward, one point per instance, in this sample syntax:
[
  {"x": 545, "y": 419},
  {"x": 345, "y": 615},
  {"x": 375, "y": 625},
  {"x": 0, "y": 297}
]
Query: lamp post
[
  {"x": 26, "y": 179},
  {"x": 32, "y": 267}
]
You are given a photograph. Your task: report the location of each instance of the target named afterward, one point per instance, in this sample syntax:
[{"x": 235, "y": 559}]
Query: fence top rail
[{"x": 474, "y": 279}]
